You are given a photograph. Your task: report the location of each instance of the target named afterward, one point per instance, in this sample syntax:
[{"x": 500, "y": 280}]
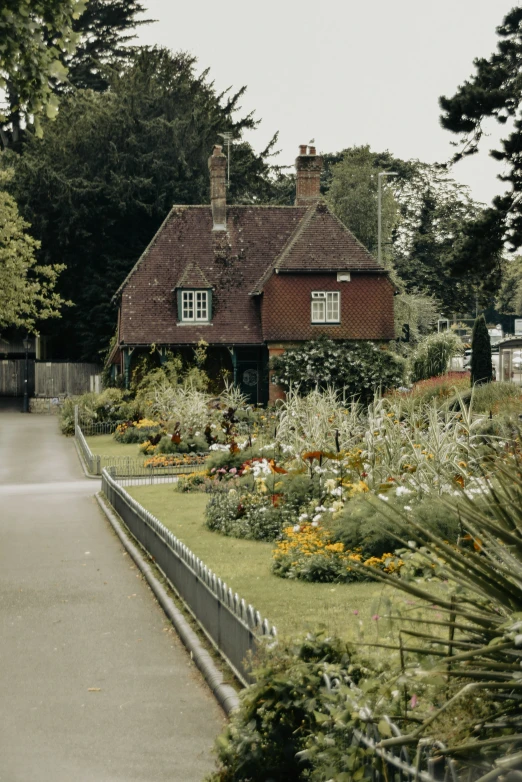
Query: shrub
[
  {"x": 440, "y": 388},
  {"x": 112, "y": 404},
  {"x": 433, "y": 354},
  {"x": 188, "y": 444},
  {"x": 357, "y": 368},
  {"x": 250, "y": 516},
  {"x": 137, "y": 431},
  {"x": 365, "y": 526},
  {"x": 280, "y": 713}
]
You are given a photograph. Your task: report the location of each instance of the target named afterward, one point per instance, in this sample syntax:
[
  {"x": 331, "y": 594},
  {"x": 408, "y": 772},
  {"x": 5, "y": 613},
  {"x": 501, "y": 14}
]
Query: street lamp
[
  {"x": 27, "y": 345},
  {"x": 379, "y": 210}
]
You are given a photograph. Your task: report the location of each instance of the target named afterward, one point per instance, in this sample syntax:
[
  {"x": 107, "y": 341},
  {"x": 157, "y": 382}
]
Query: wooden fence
[
  {"x": 54, "y": 378},
  {"x": 48, "y": 378},
  {"x": 12, "y": 377}
]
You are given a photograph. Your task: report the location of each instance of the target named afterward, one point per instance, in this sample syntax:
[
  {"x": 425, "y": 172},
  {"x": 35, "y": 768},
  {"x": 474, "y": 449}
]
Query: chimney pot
[
  {"x": 311, "y": 151},
  {"x": 302, "y": 149}
]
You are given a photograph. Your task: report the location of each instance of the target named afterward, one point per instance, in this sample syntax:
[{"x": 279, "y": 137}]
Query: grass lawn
[
  {"x": 294, "y": 607},
  {"x": 106, "y": 445}
]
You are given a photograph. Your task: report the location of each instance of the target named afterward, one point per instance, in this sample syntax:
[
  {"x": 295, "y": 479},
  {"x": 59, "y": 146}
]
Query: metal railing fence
[
  {"x": 126, "y": 468},
  {"x": 226, "y": 619}
]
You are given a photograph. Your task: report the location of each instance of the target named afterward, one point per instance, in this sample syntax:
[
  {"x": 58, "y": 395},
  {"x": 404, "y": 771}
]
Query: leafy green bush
[
  {"x": 432, "y": 355},
  {"x": 112, "y": 404},
  {"x": 281, "y": 712},
  {"x": 363, "y": 525},
  {"x": 244, "y": 515},
  {"x": 358, "y": 368},
  {"x": 189, "y": 444}
]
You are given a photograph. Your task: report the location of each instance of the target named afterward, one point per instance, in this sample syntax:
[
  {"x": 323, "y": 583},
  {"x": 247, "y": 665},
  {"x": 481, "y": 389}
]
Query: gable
[{"x": 321, "y": 243}]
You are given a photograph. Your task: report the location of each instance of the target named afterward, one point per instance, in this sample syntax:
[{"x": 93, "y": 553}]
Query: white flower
[
  {"x": 303, "y": 516},
  {"x": 383, "y": 497},
  {"x": 407, "y": 507},
  {"x": 316, "y": 518},
  {"x": 219, "y": 447},
  {"x": 315, "y": 524},
  {"x": 296, "y": 528},
  {"x": 320, "y": 509},
  {"x": 402, "y": 490}
]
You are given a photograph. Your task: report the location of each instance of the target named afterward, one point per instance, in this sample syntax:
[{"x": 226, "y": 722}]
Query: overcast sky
[{"x": 342, "y": 72}]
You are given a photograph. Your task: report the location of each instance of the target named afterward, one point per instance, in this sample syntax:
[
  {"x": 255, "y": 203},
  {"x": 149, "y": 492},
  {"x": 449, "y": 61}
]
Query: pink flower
[
  {"x": 375, "y": 617},
  {"x": 356, "y": 612},
  {"x": 213, "y": 469},
  {"x": 233, "y": 471},
  {"x": 413, "y": 701},
  {"x": 222, "y": 471}
]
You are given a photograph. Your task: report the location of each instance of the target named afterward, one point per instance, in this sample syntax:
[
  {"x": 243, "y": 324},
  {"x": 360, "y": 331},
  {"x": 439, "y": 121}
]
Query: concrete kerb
[{"x": 225, "y": 694}]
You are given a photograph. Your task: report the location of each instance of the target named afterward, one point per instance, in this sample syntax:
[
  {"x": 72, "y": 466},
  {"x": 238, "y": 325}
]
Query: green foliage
[
  {"x": 492, "y": 91},
  {"x": 357, "y": 368},
  {"x": 481, "y": 364},
  {"x": 419, "y": 311},
  {"x": 281, "y": 711},
  {"x": 353, "y": 198},
  {"x": 191, "y": 443},
  {"x": 113, "y": 404},
  {"x": 27, "y": 289},
  {"x": 433, "y": 354},
  {"x": 509, "y": 299},
  {"x": 244, "y": 515},
  {"x": 364, "y": 525},
  {"x": 480, "y": 658},
  {"x": 34, "y": 34},
  {"x": 98, "y": 187},
  {"x": 104, "y": 30}
]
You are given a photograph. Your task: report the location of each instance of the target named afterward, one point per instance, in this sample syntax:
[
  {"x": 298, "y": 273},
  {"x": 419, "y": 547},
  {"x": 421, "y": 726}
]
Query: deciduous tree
[
  {"x": 34, "y": 36},
  {"x": 27, "y": 289}
]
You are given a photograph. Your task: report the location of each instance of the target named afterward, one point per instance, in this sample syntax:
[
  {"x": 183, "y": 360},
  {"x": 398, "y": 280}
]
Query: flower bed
[{"x": 310, "y": 553}]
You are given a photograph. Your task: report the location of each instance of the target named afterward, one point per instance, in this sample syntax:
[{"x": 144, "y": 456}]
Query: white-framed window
[
  {"x": 194, "y": 306},
  {"x": 326, "y": 307}
]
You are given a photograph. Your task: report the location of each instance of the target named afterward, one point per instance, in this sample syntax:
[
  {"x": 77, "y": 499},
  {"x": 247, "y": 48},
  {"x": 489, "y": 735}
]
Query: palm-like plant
[{"x": 481, "y": 658}]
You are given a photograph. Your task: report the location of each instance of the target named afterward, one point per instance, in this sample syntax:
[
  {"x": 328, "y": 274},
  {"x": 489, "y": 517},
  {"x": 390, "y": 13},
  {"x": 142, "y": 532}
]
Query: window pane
[
  {"x": 201, "y": 305},
  {"x": 318, "y": 311},
  {"x": 332, "y": 307},
  {"x": 188, "y": 305}
]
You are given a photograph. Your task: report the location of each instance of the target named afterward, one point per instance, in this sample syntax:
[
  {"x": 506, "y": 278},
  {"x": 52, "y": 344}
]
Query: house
[{"x": 251, "y": 281}]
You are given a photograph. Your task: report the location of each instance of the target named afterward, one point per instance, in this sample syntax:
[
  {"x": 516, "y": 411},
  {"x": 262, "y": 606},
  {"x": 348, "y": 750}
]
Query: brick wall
[{"x": 366, "y": 307}]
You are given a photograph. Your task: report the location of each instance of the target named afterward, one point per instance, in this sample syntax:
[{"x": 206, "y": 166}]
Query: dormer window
[
  {"x": 326, "y": 307},
  {"x": 194, "y": 306}
]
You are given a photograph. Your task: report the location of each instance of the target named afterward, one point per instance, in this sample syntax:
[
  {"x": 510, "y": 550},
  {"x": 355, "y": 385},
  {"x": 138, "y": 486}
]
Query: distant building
[{"x": 252, "y": 281}]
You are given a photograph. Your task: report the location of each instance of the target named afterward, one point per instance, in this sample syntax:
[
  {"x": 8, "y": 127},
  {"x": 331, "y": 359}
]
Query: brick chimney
[
  {"x": 217, "y": 164},
  {"x": 308, "y": 166}
]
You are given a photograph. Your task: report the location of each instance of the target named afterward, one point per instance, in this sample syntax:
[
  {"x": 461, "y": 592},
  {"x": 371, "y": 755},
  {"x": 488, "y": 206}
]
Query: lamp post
[
  {"x": 27, "y": 345},
  {"x": 379, "y": 210}
]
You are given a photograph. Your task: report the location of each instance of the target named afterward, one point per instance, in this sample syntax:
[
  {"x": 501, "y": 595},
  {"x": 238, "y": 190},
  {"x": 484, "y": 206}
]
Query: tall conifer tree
[{"x": 481, "y": 364}]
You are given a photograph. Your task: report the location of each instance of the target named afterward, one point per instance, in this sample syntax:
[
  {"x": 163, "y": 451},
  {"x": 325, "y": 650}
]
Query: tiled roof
[
  {"x": 320, "y": 243},
  {"x": 234, "y": 263}
]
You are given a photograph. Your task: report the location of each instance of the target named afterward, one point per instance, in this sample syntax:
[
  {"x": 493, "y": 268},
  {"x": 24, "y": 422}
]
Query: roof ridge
[{"x": 292, "y": 239}]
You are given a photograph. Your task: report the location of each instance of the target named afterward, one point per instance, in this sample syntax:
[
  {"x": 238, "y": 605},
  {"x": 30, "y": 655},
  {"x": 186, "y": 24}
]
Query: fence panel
[
  {"x": 12, "y": 377},
  {"x": 228, "y": 621},
  {"x": 54, "y": 378}
]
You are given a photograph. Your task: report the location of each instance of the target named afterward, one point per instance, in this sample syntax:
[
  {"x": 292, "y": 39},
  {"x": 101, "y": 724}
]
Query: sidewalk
[{"x": 95, "y": 685}]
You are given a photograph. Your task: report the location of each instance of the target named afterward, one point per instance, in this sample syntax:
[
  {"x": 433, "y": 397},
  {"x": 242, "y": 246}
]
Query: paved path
[{"x": 94, "y": 684}]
